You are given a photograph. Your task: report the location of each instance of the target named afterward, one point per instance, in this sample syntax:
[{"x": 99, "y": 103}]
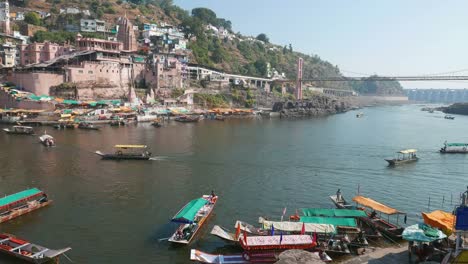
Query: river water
[{"x": 116, "y": 212}]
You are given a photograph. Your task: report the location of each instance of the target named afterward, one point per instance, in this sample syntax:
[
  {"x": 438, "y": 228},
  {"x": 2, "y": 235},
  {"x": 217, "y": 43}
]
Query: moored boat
[
  {"x": 359, "y": 115},
  {"x": 449, "y": 117},
  {"x": 390, "y": 230},
  {"x": 454, "y": 148},
  {"x": 21, "y": 203},
  {"x": 277, "y": 242},
  {"x": 127, "y": 152},
  {"x": 340, "y": 201},
  {"x": 187, "y": 119},
  {"x": 28, "y": 251},
  {"x": 20, "y": 130},
  {"x": 47, "y": 140},
  {"x": 404, "y": 156},
  {"x": 88, "y": 126},
  {"x": 255, "y": 257},
  {"x": 192, "y": 217}
]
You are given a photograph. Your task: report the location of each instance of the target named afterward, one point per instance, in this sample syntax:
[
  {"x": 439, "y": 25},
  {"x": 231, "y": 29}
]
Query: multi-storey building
[{"x": 41, "y": 52}]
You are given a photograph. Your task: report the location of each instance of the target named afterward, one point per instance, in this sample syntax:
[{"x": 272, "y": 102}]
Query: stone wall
[
  {"x": 7, "y": 101},
  {"x": 37, "y": 82}
]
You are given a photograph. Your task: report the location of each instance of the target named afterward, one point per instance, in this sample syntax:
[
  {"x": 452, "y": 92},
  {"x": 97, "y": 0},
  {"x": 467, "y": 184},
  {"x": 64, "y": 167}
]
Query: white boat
[
  {"x": 47, "y": 140},
  {"x": 257, "y": 257}
]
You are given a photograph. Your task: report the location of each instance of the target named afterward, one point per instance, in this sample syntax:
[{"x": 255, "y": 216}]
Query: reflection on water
[{"x": 116, "y": 212}]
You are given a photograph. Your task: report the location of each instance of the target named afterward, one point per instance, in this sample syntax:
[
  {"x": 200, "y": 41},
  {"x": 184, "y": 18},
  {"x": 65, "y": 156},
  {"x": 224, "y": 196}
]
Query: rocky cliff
[{"x": 319, "y": 105}]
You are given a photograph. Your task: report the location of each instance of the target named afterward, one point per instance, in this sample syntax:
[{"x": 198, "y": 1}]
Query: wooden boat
[
  {"x": 28, "y": 251},
  {"x": 454, "y": 148},
  {"x": 341, "y": 203},
  {"x": 390, "y": 230},
  {"x": 88, "y": 126},
  {"x": 67, "y": 125},
  {"x": 255, "y": 257},
  {"x": 117, "y": 122},
  {"x": 359, "y": 115},
  {"x": 127, "y": 152},
  {"x": 187, "y": 119},
  {"x": 191, "y": 218},
  {"x": 21, "y": 203},
  {"x": 449, "y": 117},
  {"x": 404, "y": 156},
  {"x": 20, "y": 130},
  {"x": 47, "y": 140}
]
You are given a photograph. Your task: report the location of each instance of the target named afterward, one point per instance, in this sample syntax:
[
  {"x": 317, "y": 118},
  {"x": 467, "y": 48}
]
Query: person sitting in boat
[
  {"x": 212, "y": 197},
  {"x": 373, "y": 214},
  {"x": 338, "y": 196}
]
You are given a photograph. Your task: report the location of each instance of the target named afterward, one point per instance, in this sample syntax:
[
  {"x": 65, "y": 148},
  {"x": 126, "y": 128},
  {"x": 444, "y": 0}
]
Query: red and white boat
[{"x": 21, "y": 203}]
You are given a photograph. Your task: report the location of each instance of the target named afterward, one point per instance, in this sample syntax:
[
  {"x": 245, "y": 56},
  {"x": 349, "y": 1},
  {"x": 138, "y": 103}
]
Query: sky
[{"x": 384, "y": 37}]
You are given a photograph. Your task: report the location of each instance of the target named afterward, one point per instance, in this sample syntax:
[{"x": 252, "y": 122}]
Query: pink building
[
  {"x": 41, "y": 52},
  {"x": 98, "y": 44}
]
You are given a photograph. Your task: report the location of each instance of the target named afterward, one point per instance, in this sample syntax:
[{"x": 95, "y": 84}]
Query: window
[
  {"x": 80, "y": 71},
  {"x": 90, "y": 72}
]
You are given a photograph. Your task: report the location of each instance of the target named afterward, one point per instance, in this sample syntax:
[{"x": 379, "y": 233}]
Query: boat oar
[
  {"x": 67, "y": 258},
  {"x": 162, "y": 239}
]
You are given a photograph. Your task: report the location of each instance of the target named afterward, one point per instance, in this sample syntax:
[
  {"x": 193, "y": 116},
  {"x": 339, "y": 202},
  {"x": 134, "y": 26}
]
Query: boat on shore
[
  {"x": 277, "y": 242},
  {"x": 30, "y": 252},
  {"x": 88, "y": 126},
  {"x": 47, "y": 140},
  {"x": 404, "y": 156},
  {"x": 454, "y": 148},
  {"x": 191, "y": 218},
  {"x": 20, "y": 130},
  {"x": 127, "y": 152},
  {"x": 21, "y": 203},
  {"x": 390, "y": 230},
  {"x": 187, "y": 119}
]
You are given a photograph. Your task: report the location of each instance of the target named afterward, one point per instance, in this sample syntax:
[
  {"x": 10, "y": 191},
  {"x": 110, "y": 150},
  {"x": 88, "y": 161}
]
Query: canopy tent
[
  {"x": 407, "y": 151},
  {"x": 349, "y": 222},
  {"x": 297, "y": 227},
  {"x": 189, "y": 211},
  {"x": 440, "y": 219},
  {"x": 333, "y": 212},
  {"x": 7, "y": 200},
  {"x": 422, "y": 233},
  {"x": 368, "y": 202},
  {"x": 456, "y": 144}
]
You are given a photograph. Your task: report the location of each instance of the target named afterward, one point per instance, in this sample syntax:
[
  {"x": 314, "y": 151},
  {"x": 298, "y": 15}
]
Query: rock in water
[{"x": 295, "y": 256}]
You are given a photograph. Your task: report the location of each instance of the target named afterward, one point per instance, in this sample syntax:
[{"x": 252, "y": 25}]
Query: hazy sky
[{"x": 386, "y": 37}]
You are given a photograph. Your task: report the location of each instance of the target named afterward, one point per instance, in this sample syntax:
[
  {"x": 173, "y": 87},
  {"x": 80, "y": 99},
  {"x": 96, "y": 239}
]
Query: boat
[
  {"x": 187, "y": 119},
  {"x": 28, "y": 251},
  {"x": 454, "y": 148},
  {"x": 359, "y": 115},
  {"x": 254, "y": 257},
  {"x": 117, "y": 122},
  {"x": 20, "y": 130},
  {"x": 127, "y": 152},
  {"x": 449, "y": 117},
  {"x": 63, "y": 125},
  {"x": 47, "y": 140},
  {"x": 389, "y": 230},
  {"x": 250, "y": 228},
  {"x": 156, "y": 123},
  {"x": 277, "y": 242},
  {"x": 21, "y": 203},
  {"x": 340, "y": 202},
  {"x": 191, "y": 218},
  {"x": 404, "y": 156},
  {"x": 219, "y": 118},
  {"x": 88, "y": 126}
]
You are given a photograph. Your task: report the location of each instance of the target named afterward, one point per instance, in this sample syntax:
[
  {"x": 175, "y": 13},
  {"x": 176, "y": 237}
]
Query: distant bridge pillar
[{"x": 300, "y": 64}]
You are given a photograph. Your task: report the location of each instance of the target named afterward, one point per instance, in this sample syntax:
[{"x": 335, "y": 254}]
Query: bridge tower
[{"x": 300, "y": 63}]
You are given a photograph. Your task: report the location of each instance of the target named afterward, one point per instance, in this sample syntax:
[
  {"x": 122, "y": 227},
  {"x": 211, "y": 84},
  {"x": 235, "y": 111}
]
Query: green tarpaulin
[
  {"x": 333, "y": 212},
  {"x": 457, "y": 144},
  {"x": 70, "y": 102},
  {"x": 422, "y": 233},
  {"x": 187, "y": 214},
  {"x": 351, "y": 222},
  {"x": 18, "y": 196}
]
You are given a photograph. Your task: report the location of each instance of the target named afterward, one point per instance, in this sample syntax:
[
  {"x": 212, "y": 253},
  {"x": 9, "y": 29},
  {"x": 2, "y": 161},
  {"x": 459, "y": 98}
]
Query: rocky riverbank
[{"x": 458, "y": 108}]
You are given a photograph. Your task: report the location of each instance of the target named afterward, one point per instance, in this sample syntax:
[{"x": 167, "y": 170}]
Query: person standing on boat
[
  {"x": 465, "y": 197},
  {"x": 212, "y": 197},
  {"x": 338, "y": 196}
]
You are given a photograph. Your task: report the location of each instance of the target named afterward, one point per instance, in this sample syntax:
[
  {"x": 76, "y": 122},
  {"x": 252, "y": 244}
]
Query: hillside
[{"x": 236, "y": 54}]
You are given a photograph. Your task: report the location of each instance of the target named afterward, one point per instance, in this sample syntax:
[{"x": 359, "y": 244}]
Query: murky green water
[{"x": 115, "y": 212}]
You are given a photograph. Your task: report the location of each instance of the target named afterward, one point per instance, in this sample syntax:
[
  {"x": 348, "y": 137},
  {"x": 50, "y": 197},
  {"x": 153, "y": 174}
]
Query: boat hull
[
  {"x": 454, "y": 151},
  {"x": 12, "y": 132},
  {"x": 396, "y": 162},
  {"x": 122, "y": 156},
  {"x": 20, "y": 212},
  {"x": 387, "y": 229}
]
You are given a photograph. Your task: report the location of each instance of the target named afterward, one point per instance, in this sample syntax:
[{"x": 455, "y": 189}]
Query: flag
[
  {"x": 245, "y": 237},
  {"x": 303, "y": 229},
  {"x": 281, "y": 237},
  {"x": 238, "y": 231},
  {"x": 284, "y": 211},
  {"x": 272, "y": 230}
]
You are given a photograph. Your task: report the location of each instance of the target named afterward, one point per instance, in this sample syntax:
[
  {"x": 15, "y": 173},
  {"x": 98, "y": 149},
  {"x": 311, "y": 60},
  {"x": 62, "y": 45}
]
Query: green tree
[
  {"x": 263, "y": 37},
  {"x": 204, "y": 14},
  {"x": 32, "y": 18}
]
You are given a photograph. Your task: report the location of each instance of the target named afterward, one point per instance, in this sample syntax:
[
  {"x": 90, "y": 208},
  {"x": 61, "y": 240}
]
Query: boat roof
[
  {"x": 130, "y": 146},
  {"x": 189, "y": 211},
  {"x": 7, "y": 200},
  {"x": 443, "y": 220},
  {"x": 368, "y": 202},
  {"x": 422, "y": 233},
  {"x": 278, "y": 240},
  {"x": 456, "y": 144},
  {"x": 336, "y": 221},
  {"x": 407, "y": 151},
  {"x": 297, "y": 227},
  {"x": 333, "y": 212}
]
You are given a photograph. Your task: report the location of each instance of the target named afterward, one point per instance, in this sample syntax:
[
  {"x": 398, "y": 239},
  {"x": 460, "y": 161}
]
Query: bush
[{"x": 32, "y": 18}]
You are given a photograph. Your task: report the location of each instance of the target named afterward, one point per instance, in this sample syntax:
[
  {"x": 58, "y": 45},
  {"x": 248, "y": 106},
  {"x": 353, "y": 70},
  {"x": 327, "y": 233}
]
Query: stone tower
[
  {"x": 5, "y": 17},
  {"x": 126, "y": 34}
]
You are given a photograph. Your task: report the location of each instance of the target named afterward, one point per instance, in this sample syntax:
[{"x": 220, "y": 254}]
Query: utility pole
[{"x": 300, "y": 63}]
